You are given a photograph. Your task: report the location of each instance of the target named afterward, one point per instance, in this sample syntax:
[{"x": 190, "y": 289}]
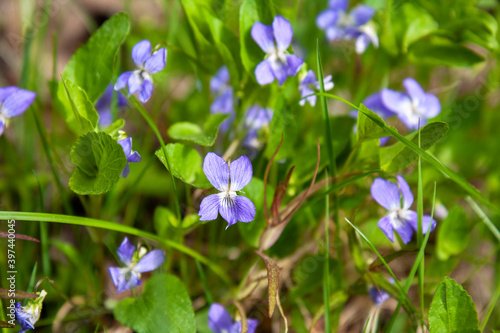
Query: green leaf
[
  {"x": 84, "y": 113},
  {"x": 453, "y": 234},
  {"x": 445, "y": 54},
  {"x": 273, "y": 281},
  {"x": 186, "y": 164},
  {"x": 113, "y": 129},
  {"x": 164, "y": 306},
  {"x": 252, "y": 11},
  {"x": 367, "y": 129},
  {"x": 190, "y": 132},
  {"x": 423, "y": 25},
  {"x": 91, "y": 67},
  {"x": 283, "y": 123},
  {"x": 452, "y": 309},
  {"x": 99, "y": 162},
  {"x": 398, "y": 156}
]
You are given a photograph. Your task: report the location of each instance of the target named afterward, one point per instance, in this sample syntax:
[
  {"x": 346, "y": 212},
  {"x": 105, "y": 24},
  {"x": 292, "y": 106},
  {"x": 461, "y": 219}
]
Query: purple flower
[
  {"x": 275, "y": 40},
  {"x": 400, "y": 217},
  {"x": 415, "y": 104},
  {"x": 338, "y": 24},
  {"x": 309, "y": 83},
  {"x": 28, "y": 315},
  {"x": 378, "y": 296},
  {"x": 103, "y": 105},
  {"x": 139, "y": 81},
  {"x": 13, "y": 102},
  {"x": 132, "y": 156},
  {"x": 256, "y": 118},
  {"x": 219, "y": 321},
  {"x": 223, "y": 92},
  {"x": 135, "y": 263},
  {"x": 228, "y": 179}
]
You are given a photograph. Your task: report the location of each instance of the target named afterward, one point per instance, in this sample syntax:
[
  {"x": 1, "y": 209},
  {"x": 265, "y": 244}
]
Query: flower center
[
  {"x": 277, "y": 58},
  {"x": 345, "y": 20},
  {"x": 398, "y": 217}
]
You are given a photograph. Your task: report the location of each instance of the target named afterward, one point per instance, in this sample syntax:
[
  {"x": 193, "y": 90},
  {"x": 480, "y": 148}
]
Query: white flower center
[
  {"x": 226, "y": 198},
  {"x": 277, "y": 58},
  {"x": 398, "y": 217},
  {"x": 345, "y": 20}
]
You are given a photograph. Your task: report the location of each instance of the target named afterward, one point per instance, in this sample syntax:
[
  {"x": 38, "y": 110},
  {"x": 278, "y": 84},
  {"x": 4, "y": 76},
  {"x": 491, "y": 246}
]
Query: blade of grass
[
  {"x": 326, "y": 277},
  {"x": 413, "y": 271},
  {"x": 44, "y": 235},
  {"x": 88, "y": 222},
  {"x": 491, "y": 306},
  {"x": 381, "y": 258},
  {"x": 484, "y": 217},
  {"x": 155, "y": 129},
  {"x": 208, "y": 295},
  {"x": 427, "y": 156},
  {"x": 420, "y": 214}
]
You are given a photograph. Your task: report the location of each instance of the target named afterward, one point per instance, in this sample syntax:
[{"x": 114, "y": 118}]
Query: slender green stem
[
  {"x": 413, "y": 271},
  {"x": 208, "y": 294},
  {"x": 155, "y": 129},
  {"x": 483, "y": 217},
  {"x": 420, "y": 214},
  {"x": 326, "y": 277},
  {"x": 44, "y": 235},
  {"x": 491, "y": 307},
  {"x": 88, "y": 222}
]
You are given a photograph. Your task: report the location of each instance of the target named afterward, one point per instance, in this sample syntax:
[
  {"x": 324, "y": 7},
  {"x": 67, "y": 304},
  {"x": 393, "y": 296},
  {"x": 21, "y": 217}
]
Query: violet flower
[
  {"x": 13, "y": 102},
  {"x": 274, "y": 40},
  {"x": 339, "y": 24},
  {"x": 140, "y": 81},
  {"x": 415, "y": 104},
  {"x": 223, "y": 92},
  {"x": 219, "y": 321},
  {"x": 103, "y": 105},
  {"x": 378, "y": 296},
  {"x": 132, "y": 156},
  {"x": 256, "y": 118},
  {"x": 228, "y": 179},
  {"x": 135, "y": 263},
  {"x": 28, "y": 315},
  {"x": 400, "y": 218},
  {"x": 309, "y": 83}
]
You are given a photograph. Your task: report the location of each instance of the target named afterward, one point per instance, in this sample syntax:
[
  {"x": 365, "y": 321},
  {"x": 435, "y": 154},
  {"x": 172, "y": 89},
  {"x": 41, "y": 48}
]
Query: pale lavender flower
[
  {"x": 27, "y": 316},
  {"x": 414, "y": 105},
  {"x": 339, "y": 24},
  {"x": 223, "y": 92},
  {"x": 256, "y": 118},
  {"x": 13, "y": 102},
  {"x": 132, "y": 156},
  {"x": 400, "y": 218},
  {"x": 135, "y": 263},
  {"x": 274, "y": 40},
  {"x": 309, "y": 83},
  {"x": 103, "y": 105},
  {"x": 140, "y": 81},
  {"x": 220, "y": 321},
  {"x": 378, "y": 296},
  {"x": 228, "y": 179}
]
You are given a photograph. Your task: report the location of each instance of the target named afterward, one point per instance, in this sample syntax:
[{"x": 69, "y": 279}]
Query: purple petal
[
  {"x": 310, "y": 78},
  {"x": 217, "y": 171},
  {"x": 404, "y": 230},
  {"x": 125, "y": 251},
  {"x": 412, "y": 218},
  {"x": 405, "y": 190},
  {"x": 396, "y": 101},
  {"x": 6, "y": 91},
  {"x": 375, "y": 104},
  {"x": 2, "y": 127},
  {"x": 228, "y": 210},
  {"x": 306, "y": 91},
  {"x": 219, "y": 80},
  {"x": 146, "y": 91},
  {"x": 17, "y": 102},
  {"x": 251, "y": 325},
  {"x": 338, "y": 4},
  {"x": 223, "y": 103},
  {"x": 135, "y": 82},
  {"x": 141, "y": 52},
  {"x": 151, "y": 261},
  {"x": 117, "y": 277},
  {"x": 125, "y": 171},
  {"x": 377, "y": 296},
  {"x": 209, "y": 208},
  {"x": 122, "y": 80},
  {"x": 362, "y": 14},
  {"x": 430, "y": 106},
  {"x": 334, "y": 33},
  {"x": 126, "y": 145},
  {"x": 245, "y": 209},
  {"x": 426, "y": 220},
  {"x": 327, "y": 82},
  {"x": 280, "y": 71},
  {"x": 283, "y": 32},
  {"x": 386, "y": 194},
  {"x": 294, "y": 64},
  {"x": 264, "y": 73},
  {"x": 414, "y": 89},
  {"x": 219, "y": 319},
  {"x": 134, "y": 157},
  {"x": 257, "y": 117},
  {"x": 263, "y": 35},
  {"x": 327, "y": 18},
  {"x": 385, "y": 224},
  {"x": 362, "y": 43},
  {"x": 157, "y": 61}
]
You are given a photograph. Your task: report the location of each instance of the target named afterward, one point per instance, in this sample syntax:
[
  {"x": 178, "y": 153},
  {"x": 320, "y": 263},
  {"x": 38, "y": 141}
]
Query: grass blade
[{"x": 326, "y": 277}]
